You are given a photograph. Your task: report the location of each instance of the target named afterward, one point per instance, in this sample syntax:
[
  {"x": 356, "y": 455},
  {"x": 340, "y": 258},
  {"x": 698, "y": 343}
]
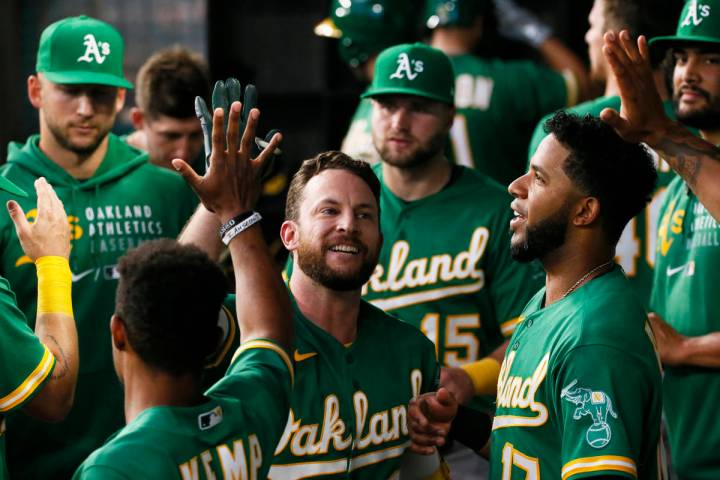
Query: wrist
[
  {"x": 238, "y": 224},
  {"x": 54, "y": 285}
]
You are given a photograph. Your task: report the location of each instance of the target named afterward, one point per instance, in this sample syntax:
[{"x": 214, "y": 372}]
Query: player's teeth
[{"x": 345, "y": 249}]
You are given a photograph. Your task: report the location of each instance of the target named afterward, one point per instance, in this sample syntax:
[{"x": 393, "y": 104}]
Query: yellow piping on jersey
[
  {"x": 270, "y": 346},
  {"x": 507, "y": 328},
  {"x": 599, "y": 463},
  {"x": 31, "y": 383}
]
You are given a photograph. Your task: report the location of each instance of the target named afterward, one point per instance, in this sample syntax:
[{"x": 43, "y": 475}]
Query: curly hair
[
  {"x": 621, "y": 175},
  {"x": 168, "y": 297}
]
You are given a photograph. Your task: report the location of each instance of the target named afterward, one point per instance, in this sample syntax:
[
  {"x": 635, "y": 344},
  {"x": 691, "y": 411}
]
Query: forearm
[
  {"x": 55, "y": 328},
  {"x": 702, "y": 351},
  {"x": 695, "y": 160},
  {"x": 263, "y": 304},
  {"x": 202, "y": 231},
  {"x": 558, "y": 57}
]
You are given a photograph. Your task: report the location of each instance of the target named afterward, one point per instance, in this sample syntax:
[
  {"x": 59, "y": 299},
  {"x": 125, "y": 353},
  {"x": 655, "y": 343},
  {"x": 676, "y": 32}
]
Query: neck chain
[{"x": 585, "y": 277}]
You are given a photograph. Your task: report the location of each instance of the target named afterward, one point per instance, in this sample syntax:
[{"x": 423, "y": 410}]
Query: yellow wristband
[
  {"x": 54, "y": 285},
  {"x": 484, "y": 375}
]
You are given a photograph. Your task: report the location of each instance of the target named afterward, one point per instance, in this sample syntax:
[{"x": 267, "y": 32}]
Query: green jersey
[
  {"x": 686, "y": 268},
  {"x": 231, "y": 436},
  {"x": 25, "y": 363},
  {"x": 498, "y": 104},
  {"x": 635, "y": 250},
  {"x": 446, "y": 268},
  {"x": 348, "y": 412},
  {"x": 127, "y": 201},
  {"x": 579, "y": 389}
]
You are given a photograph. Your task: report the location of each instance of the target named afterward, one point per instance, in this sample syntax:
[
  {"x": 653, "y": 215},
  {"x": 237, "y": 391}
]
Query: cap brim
[
  {"x": 90, "y": 78},
  {"x": 673, "y": 40},
  {"x": 10, "y": 187},
  {"x": 378, "y": 92},
  {"x": 328, "y": 29}
]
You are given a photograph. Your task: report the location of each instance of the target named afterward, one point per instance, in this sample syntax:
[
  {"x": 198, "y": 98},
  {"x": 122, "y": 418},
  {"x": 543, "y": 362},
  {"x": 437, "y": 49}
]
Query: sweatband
[
  {"x": 54, "y": 285},
  {"x": 484, "y": 375}
]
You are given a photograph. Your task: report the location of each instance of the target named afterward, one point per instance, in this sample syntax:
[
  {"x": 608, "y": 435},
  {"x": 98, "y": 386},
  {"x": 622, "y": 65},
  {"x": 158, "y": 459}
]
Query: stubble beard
[
  {"x": 64, "y": 141},
  {"x": 541, "y": 239},
  {"x": 421, "y": 156},
  {"x": 704, "y": 118},
  {"x": 312, "y": 262}
]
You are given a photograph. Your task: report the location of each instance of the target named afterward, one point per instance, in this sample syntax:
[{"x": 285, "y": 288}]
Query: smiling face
[
  {"x": 544, "y": 198},
  {"x": 696, "y": 86},
  {"x": 336, "y": 238},
  {"x": 408, "y": 130}
]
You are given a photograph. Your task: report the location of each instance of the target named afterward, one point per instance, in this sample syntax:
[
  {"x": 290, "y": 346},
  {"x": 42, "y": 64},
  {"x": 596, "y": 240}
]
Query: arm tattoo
[
  {"x": 686, "y": 153},
  {"x": 61, "y": 365}
]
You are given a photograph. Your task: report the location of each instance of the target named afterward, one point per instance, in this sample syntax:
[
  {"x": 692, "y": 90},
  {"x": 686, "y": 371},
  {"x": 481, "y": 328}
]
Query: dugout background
[{"x": 305, "y": 90}]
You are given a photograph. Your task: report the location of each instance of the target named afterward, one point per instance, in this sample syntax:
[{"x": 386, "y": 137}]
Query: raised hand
[
  {"x": 429, "y": 418},
  {"x": 49, "y": 235}
]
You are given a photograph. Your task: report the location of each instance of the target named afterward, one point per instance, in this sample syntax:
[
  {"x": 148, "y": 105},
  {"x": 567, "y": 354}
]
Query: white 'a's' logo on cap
[
  {"x": 94, "y": 51},
  {"x": 407, "y": 68},
  {"x": 696, "y": 14}
]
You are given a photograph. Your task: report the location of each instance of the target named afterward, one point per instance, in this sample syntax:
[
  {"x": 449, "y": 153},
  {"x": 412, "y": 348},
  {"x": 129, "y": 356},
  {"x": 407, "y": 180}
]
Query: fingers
[
  {"x": 248, "y": 136},
  {"x": 270, "y": 149},
  {"x": 193, "y": 179},
  {"x": 250, "y": 101},
  {"x": 218, "y": 134},
  {"x": 444, "y": 397},
  {"x": 17, "y": 215},
  {"x": 613, "y": 118},
  {"x": 233, "y": 131},
  {"x": 629, "y": 47}
]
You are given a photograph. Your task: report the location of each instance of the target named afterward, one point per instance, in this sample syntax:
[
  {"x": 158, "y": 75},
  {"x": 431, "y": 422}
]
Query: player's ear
[
  {"x": 137, "y": 118},
  {"x": 120, "y": 100},
  {"x": 289, "y": 235},
  {"x": 118, "y": 332},
  {"x": 33, "y": 90},
  {"x": 587, "y": 212}
]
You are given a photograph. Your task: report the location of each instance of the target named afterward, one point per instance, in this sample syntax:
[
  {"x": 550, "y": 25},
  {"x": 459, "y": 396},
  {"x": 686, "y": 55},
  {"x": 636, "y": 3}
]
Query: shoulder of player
[{"x": 390, "y": 326}]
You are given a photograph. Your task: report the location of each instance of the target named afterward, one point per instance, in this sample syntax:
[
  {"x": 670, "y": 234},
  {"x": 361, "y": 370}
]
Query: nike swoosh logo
[
  {"x": 81, "y": 275},
  {"x": 299, "y": 357},
  {"x": 672, "y": 271}
]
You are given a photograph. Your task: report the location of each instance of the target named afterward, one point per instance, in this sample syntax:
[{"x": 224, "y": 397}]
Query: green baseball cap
[
  {"x": 413, "y": 69},
  {"x": 82, "y": 50},
  {"x": 699, "y": 23}
]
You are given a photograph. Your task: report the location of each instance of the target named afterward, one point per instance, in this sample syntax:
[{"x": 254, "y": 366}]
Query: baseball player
[
  {"x": 579, "y": 389},
  {"x": 363, "y": 29},
  {"x": 164, "y": 328},
  {"x": 164, "y": 119},
  {"x": 39, "y": 371},
  {"x": 636, "y": 248},
  {"x": 115, "y": 200},
  {"x": 685, "y": 314},
  {"x": 498, "y": 102},
  {"x": 445, "y": 267}
]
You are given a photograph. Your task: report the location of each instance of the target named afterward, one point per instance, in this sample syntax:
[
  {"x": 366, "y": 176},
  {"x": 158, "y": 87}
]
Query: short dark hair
[
  {"x": 169, "y": 81},
  {"x": 168, "y": 297},
  {"x": 621, "y": 175},
  {"x": 327, "y": 161}
]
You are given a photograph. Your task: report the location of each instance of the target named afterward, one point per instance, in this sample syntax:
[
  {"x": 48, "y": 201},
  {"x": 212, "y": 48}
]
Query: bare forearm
[
  {"x": 263, "y": 304},
  {"x": 202, "y": 231},
  {"x": 57, "y": 332},
  {"x": 558, "y": 57},
  {"x": 696, "y": 161},
  {"x": 702, "y": 351}
]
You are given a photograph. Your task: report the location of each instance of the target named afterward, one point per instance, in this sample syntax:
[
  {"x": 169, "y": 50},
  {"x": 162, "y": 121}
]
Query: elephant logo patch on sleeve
[{"x": 597, "y": 405}]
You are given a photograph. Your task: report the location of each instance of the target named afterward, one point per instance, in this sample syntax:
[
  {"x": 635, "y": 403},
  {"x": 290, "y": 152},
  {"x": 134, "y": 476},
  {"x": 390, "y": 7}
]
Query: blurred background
[{"x": 305, "y": 89}]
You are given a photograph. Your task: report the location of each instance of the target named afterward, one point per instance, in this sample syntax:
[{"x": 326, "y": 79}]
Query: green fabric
[
  {"x": 686, "y": 272},
  {"x": 127, "y": 201},
  {"x": 699, "y": 23},
  {"x": 635, "y": 250},
  {"x": 232, "y": 435},
  {"x": 498, "y": 104},
  {"x": 446, "y": 268},
  {"x": 346, "y": 397},
  {"x": 413, "y": 69},
  {"x": 82, "y": 50},
  {"x": 22, "y": 359},
  {"x": 580, "y": 381}
]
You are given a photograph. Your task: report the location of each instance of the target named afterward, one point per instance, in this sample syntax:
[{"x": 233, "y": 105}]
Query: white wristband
[{"x": 241, "y": 227}]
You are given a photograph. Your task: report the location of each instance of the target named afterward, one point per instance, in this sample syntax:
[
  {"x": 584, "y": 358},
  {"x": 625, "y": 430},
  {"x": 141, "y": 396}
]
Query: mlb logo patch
[{"x": 209, "y": 419}]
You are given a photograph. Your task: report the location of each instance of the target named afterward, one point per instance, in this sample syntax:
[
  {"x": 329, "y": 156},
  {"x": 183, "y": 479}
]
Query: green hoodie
[{"x": 126, "y": 202}]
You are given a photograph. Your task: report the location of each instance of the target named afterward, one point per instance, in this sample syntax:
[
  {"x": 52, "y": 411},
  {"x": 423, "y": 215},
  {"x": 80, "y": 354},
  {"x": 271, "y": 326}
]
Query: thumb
[
  {"x": 17, "y": 215},
  {"x": 444, "y": 397},
  {"x": 613, "y": 118},
  {"x": 186, "y": 171}
]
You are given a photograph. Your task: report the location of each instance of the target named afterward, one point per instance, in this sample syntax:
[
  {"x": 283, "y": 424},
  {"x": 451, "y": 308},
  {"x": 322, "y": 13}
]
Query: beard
[
  {"x": 542, "y": 238},
  {"x": 413, "y": 159},
  {"x": 83, "y": 150},
  {"x": 311, "y": 260},
  {"x": 705, "y": 118}
]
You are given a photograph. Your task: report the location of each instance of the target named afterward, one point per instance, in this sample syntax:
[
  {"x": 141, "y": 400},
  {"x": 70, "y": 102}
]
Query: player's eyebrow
[{"x": 538, "y": 169}]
